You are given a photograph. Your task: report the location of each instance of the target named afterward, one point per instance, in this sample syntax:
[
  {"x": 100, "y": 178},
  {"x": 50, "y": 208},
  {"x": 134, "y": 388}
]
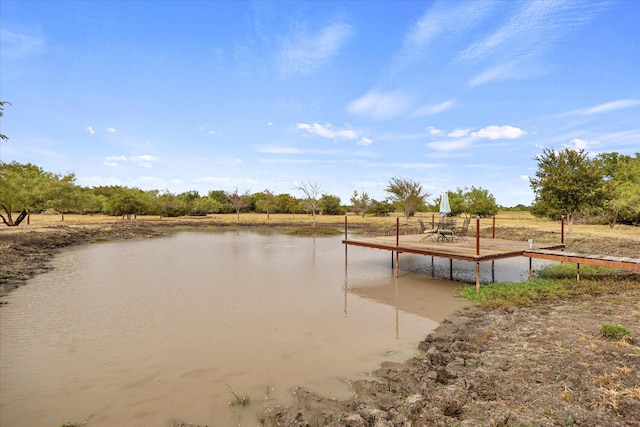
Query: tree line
[{"x": 570, "y": 183}]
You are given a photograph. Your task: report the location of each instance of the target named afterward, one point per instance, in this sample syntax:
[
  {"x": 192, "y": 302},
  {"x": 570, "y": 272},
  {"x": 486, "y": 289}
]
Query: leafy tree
[
  {"x": 286, "y": 203},
  {"x": 267, "y": 202},
  {"x": 22, "y": 189},
  {"x": 170, "y": 205},
  {"x": 360, "y": 203},
  {"x": 479, "y": 201},
  {"x": 204, "y": 206},
  {"x": 62, "y": 194},
  {"x": 330, "y": 205},
  {"x": 379, "y": 208},
  {"x": 407, "y": 195},
  {"x": 221, "y": 197},
  {"x": 127, "y": 201},
  {"x": 621, "y": 187},
  {"x": 566, "y": 182},
  {"x": 311, "y": 190},
  {"x": 238, "y": 201}
]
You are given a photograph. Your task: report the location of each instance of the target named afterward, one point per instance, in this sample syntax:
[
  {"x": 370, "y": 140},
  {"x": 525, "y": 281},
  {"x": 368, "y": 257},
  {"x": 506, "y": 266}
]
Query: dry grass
[{"x": 506, "y": 219}]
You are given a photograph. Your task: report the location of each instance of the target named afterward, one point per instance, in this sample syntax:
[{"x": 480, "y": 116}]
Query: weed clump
[{"x": 614, "y": 331}]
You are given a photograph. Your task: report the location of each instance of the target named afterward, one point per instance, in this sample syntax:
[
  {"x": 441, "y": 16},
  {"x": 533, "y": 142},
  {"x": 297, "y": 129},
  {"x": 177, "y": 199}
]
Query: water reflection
[{"x": 137, "y": 333}]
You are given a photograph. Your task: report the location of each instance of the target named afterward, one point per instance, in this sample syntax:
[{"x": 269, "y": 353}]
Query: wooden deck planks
[
  {"x": 490, "y": 249},
  {"x": 603, "y": 260}
]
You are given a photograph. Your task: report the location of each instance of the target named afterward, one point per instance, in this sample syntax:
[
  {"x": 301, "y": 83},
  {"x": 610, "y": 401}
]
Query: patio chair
[{"x": 424, "y": 230}]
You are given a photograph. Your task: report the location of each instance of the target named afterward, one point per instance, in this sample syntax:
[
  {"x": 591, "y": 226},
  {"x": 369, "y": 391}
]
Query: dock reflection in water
[{"x": 138, "y": 333}]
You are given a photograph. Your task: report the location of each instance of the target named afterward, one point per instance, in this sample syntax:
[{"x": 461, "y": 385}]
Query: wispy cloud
[
  {"x": 431, "y": 110},
  {"x": 365, "y": 141},
  {"x": 302, "y": 53},
  {"x": 531, "y": 30},
  {"x": 111, "y": 130},
  {"x": 379, "y": 105},
  {"x": 144, "y": 161},
  {"x": 611, "y": 106},
  {"x": 327, "y": 131},
  {"x": 18, "y": 46},
  {"x": 90, "y": 130},
  {"x": 607, "y": 107}
]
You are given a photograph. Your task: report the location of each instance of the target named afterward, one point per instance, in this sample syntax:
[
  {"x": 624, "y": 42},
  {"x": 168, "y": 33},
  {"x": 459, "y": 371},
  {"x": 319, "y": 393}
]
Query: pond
[{"x": 141, "y": 332}]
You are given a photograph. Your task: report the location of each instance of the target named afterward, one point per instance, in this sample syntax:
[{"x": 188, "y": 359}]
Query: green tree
[
  {"x": 63, "y": 195},
  {"x": 479, "y": 201},
  {"x": 379, "y": 208},
  {"x": 221, "y": 197},
  {"x": 127, "y": 201},
  {"x": 171, "y": 205},
  {"x": 267, "y": 202},
  {"x": 621, "y": 188},
  {"x": 360, "y": 203},
  {"x": 406, "y": 195},
  {"x": 22, "y": 189},
  {"x": 330, "y": 205},
  {"x": 566, "y": 182},
  {"x": 286, "y": 204}
]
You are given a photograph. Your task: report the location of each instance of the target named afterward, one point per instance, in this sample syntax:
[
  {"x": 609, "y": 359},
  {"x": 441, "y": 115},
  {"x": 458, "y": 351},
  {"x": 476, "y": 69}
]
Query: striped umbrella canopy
[{"x": 445, "y": 209}]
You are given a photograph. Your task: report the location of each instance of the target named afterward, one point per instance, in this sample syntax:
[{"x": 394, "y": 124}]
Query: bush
[{"x": 613, "y": 331}]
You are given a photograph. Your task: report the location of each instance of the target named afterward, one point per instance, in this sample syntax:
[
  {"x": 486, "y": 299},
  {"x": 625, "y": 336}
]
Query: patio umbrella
[{"x": 445, "y": 209}]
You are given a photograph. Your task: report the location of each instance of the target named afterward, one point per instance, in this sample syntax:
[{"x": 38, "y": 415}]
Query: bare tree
[
  {"x": 238, "y": 201},
  {"x": 406, "y": 194},
  {"x": 311, "y": 190}
]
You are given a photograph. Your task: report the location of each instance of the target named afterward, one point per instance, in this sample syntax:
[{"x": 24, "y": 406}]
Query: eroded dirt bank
[
  {"x": 546, "y": 365},
  {"x": 536, "y": 366}
]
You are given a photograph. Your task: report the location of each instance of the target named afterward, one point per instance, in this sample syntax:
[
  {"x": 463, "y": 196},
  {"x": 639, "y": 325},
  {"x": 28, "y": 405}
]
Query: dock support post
[
  {"x": 450, "y": 268},
  {"x": 493, "y": 232},
  {"x": 392, "y": 264},
  {"x": 345, "y": 238},
  {"x": 477, "y": 253},
  {"x": 530, "y": 268},
  {"x": 493, "y": 271},
  {"x": 577, "y": 272},
  {"x": 397, "y": 231},
  {"x": 562, "y": 230}
]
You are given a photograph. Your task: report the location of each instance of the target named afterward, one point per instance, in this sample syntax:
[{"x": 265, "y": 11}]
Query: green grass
[
  {"x": 554, "y": 282},
  {"x": 614, "y": 332}
]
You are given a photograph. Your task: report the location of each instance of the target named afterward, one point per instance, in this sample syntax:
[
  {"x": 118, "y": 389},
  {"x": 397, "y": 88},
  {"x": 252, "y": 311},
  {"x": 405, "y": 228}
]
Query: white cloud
[
  {"x": 580, "y": 144},
  {"x": 524, "y": 178},
  {"x": 279, "y": 150},
  {"x": 380, "y": 105},
  {"x": 459, "y": 133},
  {"x": 212, "y": 132},
  {"x": 365, "y": 141},
  {"x": 499, "y": 132},
  {"x": 145, "y": 161},
  {"x": 111, "y": 130},
  {"x": 611, "y": 106},
  {"x": 327, "y": 131},
  {"x": 270, "y": 124},
  {"x": 90, "y": 130},
  {"x": 303, "y": 53},
  {"x": 435, "y": 131},
  {"x": 430, "y": 110},
  {"x": 450, "y": 145}
]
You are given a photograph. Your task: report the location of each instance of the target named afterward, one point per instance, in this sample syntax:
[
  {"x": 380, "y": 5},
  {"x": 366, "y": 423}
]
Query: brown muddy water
[{"x": 138, "y": 333}]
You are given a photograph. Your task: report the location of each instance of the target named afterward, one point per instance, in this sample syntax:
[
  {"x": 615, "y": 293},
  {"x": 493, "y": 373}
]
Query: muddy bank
[{"x": 541, "y": 366}]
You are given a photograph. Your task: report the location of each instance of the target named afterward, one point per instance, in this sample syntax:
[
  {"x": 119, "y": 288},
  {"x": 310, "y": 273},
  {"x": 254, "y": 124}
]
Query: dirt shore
[{"x": 546, "y": 365}]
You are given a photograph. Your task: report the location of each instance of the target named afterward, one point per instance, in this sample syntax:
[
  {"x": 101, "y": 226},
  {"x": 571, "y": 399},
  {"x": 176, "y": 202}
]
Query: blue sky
[{"x": 204, "y": 96}]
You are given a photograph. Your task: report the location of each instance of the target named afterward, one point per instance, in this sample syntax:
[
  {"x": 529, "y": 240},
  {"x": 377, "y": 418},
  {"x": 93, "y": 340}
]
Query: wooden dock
[
  {"x": 603, "y": 260},
  {"x": 468, "y": 249}
]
